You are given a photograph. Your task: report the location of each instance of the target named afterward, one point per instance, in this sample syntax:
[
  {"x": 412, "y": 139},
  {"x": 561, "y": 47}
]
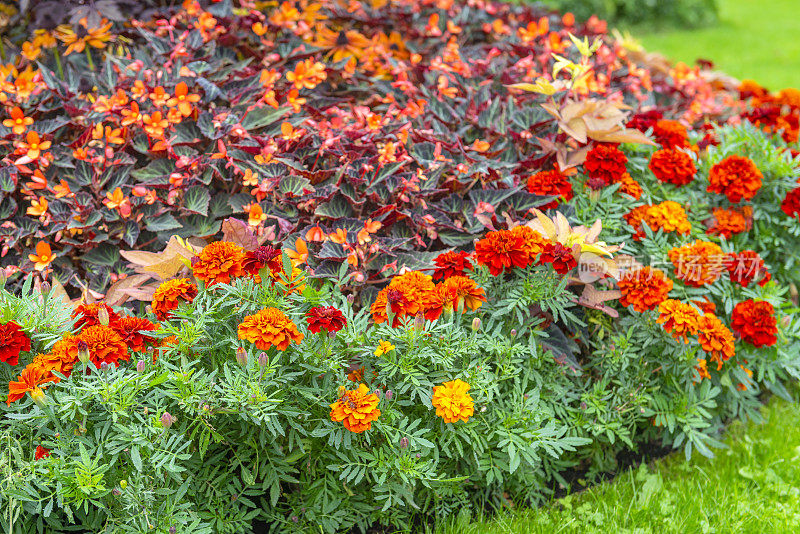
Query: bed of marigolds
[{"x": 479, "y": 378}]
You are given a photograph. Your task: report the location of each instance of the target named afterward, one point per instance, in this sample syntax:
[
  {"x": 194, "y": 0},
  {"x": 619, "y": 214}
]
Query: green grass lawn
[
  {"x": 755, "y": 39},
  {"x": 752, "y": 487}
]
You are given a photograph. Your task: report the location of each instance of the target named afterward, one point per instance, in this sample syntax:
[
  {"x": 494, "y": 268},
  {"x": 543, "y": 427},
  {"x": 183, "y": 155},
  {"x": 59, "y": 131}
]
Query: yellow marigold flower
[
  {"x": 356, "y": 408},
  {"x": 452, "y": 402},
  {"x": 384, "y": 347},
  {"x": 269, "y": 327},
  {"x": 220, "y": 261}
]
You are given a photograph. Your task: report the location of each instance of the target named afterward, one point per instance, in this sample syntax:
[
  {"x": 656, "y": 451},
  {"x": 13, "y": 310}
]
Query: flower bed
[{"x": 396, "y": 331}]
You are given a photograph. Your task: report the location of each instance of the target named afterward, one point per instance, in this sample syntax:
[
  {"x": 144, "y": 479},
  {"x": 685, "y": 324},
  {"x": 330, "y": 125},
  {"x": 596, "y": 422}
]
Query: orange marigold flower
[
  {"x": 754, "y": 322},
  {"x": 674, "y": 166},
  {"x": 698, "y": 263},
  {"x": 13, "y": 340},
  {"x": 727, "y": 222},
  {"x": 451, "y": 263},
  {"x": 705, "y": 305},
  {"x": 678, "y": 318},
  {"x": 629, "y": 186},
  {"x": 550, "y": 183},
  {"x": 502, "y": 250},
  {"x": 105, "y": 345},
  {"x": 169, "y": 294},
  {"x": 452, "y": 402},
  {"x": 28, "y": 382},
  {"x": 356, "y": 409},
  {"x": 131, "y": 328},
  {"x": 668, "y": 216},
  {"x": 406, "y": 295},
  {"x": 269, "y": 327},
  {"x": 532, "y": 241},
  {"x": 747, "y": 266},
  {"x": 644, "y": 288},
  {"x": 715, "y": 338},
  {"x": 465, "y": 292},
  {"x": 96, "y": 313},
  {"x": 605, "y": 163},
  {"x": 219, "y": 262},
  {"x": 671, "y": 134},
  {"x": 736, "y": 177}
]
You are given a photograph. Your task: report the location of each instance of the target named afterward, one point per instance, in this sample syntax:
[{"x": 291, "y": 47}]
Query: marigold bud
[
  {"x": 476, "y": 324},
  {"x": 167, "y": 420},
  {"x": 83, "y": 352},
  {"x": 104, "y": 366},
  {"x": 241, "y": 356},
  {"x": 350, "y": 298},
  {"x": 389, "y": 394},
  {"x": 45, "y": 287},
  {"x": 419, "y": 322},
  {"x": 123, "y": 483},
  {"x": 39, "y": 397},
  {"x": 102, "y": 316},
  {"x": 403, "y": 442},
  {"x": 140, "y": 365},
  {"x": 263, "y": 359},
  {"x": 513, "y": 332}
]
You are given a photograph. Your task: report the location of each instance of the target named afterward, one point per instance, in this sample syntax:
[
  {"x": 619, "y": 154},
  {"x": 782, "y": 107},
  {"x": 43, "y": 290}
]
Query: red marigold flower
[
  {"x": 105, "y": 345},
  {"x": 41, "y": 452},
  {"x": 715, "y": 338},
  {"x": 13, "y": 340},
  {"x": 728, "y": 222},
  {"x": 644, "y": 120},
  {"x": 502, "y": 250},
  {"x": 791, "y": 204},
  {"x": 96, "y": 313},
  {"x": 451, "y": 263},
  {"x": 644, "y": 288},
  {"x": 678, "y": 318},
  {"x": 550, "y": 183},
  {"x": 356, "y": 409},
  {"x": 736, "y": 177},
  {"x": 754, "y": 322},
  {"x": 560, "y": 257},
  {"x": 219, "y": 262},
  {"x": 169, "y": 294},
  {"x": 671, "y": 134},
  {"x": 269, "y": 327},
  {"x": 698, "y": 263},
  {"x": 605, "y": 162},
  {"x": 747, "y": 266},
  {"x": 532, "y": 241},
  {"x": 264, "y": 256},
  {"x": 131, "y": 328},
  {"x": 673, "y": 166},
  {"x": 327, "y": 317}
]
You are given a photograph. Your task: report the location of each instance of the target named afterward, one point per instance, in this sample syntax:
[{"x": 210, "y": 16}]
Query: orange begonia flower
[
  {"x": 18, "y": 121},
  {"x": 183, "y": 99},
  {"x": 44, "y": 256}
]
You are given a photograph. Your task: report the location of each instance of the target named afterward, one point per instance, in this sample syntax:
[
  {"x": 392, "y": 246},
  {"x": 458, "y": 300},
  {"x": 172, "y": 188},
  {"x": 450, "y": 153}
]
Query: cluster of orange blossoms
[
  {"x": 104, "y": 338},
  {"x": 644, "y": 288},
  {"x": 505, "y": 250},
  {"x": 727, "y": 222},
  {"x": 683, "y": 320},
  {"x": 668, "y": 216}
]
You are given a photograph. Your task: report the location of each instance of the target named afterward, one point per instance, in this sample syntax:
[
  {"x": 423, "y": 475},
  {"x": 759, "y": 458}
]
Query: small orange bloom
[
  {"x": 268, "y": 328},
  {"x": 183, "y": 99},
  {"x": 736, "y": 177},
  {"x": 28, "y": 382},
  {"x": 18, "y": 121},
  {"x": 644, "y": 288},
  {"x": 220, "y": 261},
  {"x": 105, "y": 345},
  {"x": 155, "y": 124},
  {"x": 678, "y": 318},
  {"x": 44, "y": 256},
  {"x": 715, "y": 338},
  {"x": 33, "y": 146},
  {"x": 38, "y": 207},
  {"x": 452, "y": 402},
  {"x": 466, "y": 292},
  {"x": 698, "y": 263}
]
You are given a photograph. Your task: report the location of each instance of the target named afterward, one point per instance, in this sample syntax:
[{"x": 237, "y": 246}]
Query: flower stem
[{"x": 89, "y": 58}]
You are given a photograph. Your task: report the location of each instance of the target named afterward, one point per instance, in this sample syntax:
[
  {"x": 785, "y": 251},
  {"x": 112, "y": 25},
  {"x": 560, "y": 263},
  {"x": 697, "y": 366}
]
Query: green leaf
[
  {"x": 156, "y": 172},
  {"x": 162, "y": 223},
  {"x": 136, "y": 459},
  {"x": 105, "y": 254},
  {"x": 196, "y": 200},
  {"x": 261, "y": 117},
  {"x": 130, "y": 234}
]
